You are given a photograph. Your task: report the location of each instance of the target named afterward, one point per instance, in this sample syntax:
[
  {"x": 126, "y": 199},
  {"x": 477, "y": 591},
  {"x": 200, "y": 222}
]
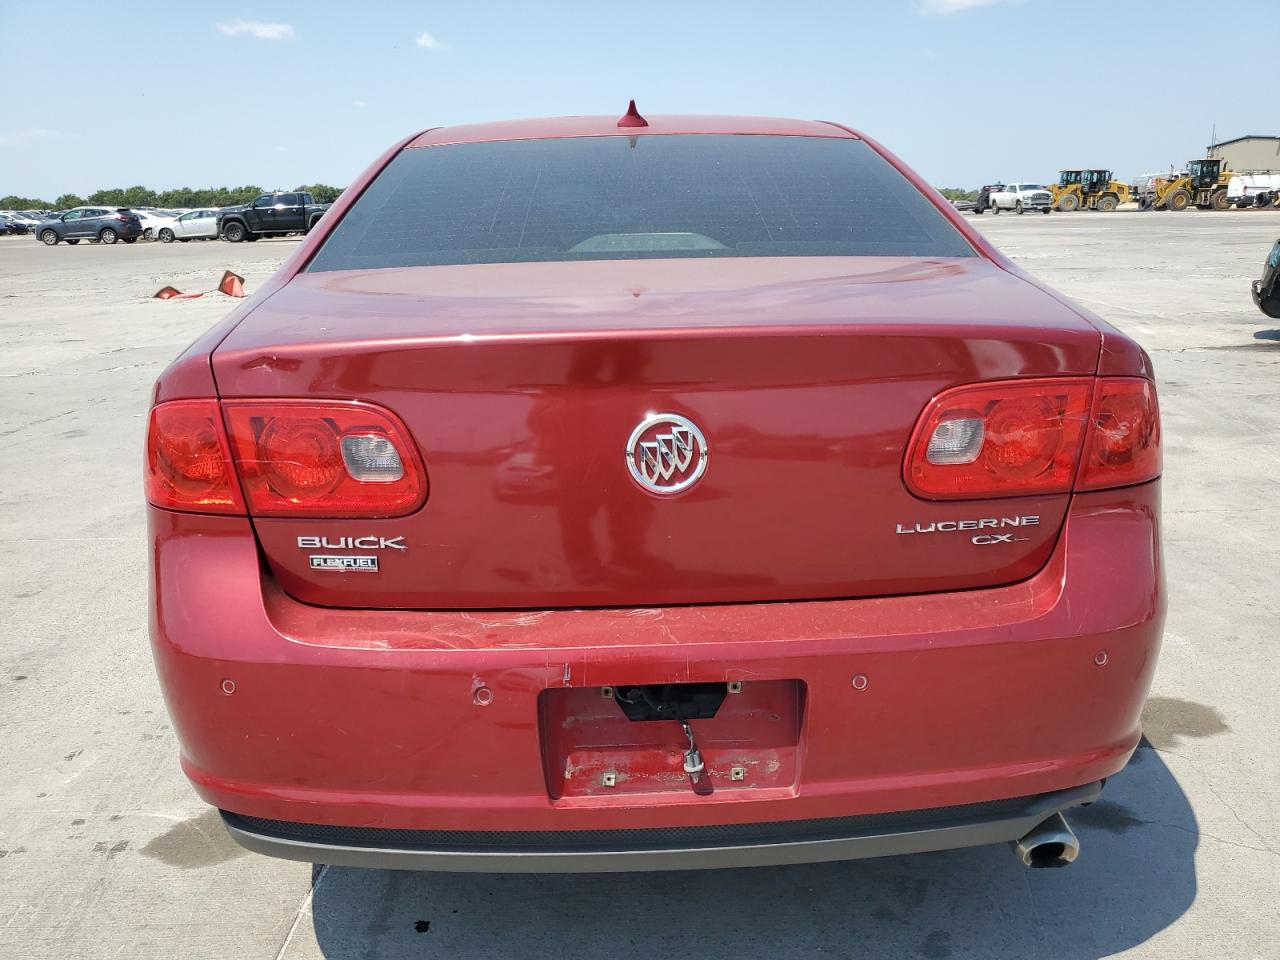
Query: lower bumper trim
[{"x": 664, "y": 848}]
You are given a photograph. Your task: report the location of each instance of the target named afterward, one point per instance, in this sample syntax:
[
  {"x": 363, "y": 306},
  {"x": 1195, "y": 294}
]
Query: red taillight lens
[
  {"x": 188, "y": 463},
  {"x": 1124, "y": 435},
  {"x": 1003, "y": 439},
  {"x": 325, "y": 459},
  {"x": 1022, "y": 437}
]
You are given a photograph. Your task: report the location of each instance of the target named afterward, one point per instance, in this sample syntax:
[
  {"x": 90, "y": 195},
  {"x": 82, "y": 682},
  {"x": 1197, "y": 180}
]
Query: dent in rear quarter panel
[
  {"x": 190, "y": 375},
  {"x": 1121, "y": 356}
]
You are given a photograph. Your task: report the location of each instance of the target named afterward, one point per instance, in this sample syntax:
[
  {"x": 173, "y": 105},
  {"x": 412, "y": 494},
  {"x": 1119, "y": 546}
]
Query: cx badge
[{"x": 666, "y": 454}]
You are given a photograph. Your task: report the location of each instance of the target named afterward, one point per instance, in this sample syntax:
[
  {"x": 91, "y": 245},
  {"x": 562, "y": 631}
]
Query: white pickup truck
[
  {"x": 1020, "y": 197},
  {"x": 1254, "y": 189}
]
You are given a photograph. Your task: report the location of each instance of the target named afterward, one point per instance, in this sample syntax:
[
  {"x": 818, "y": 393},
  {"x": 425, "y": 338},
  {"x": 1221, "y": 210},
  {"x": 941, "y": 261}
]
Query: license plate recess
[{"x": 591, "y": 749}]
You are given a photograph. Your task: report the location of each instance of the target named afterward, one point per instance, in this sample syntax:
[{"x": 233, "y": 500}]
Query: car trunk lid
[{"x": 522, "y": 383}]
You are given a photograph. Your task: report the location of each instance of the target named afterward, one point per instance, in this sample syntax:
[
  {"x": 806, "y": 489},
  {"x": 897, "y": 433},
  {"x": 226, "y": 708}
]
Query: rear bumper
[
  {"x": 431, "y": 721},
  {"x": 679, "y": 848}
]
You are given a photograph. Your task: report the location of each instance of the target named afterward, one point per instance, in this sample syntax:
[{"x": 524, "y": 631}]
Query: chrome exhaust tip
[{"x": 1049, "y": 844}]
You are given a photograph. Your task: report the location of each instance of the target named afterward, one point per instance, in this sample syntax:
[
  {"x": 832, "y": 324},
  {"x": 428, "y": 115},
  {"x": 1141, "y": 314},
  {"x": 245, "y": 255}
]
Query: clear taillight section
[
  {"x": 372, "y": 458},
  {"x": 1022, "y": 437},
  {"x": 957, "y": 440},
  {"x": 293, "y": 459},
  {"x": 188, "y": 461}
]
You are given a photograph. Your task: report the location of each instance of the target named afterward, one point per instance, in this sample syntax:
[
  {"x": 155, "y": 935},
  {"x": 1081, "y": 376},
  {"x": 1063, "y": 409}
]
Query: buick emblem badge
[{"x": 666, "y": 454}]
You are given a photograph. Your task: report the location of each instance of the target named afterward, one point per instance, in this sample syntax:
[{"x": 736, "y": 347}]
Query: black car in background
[
  {"x": 10, "y": 226},
  {"x": 1266, "y": 289},
  {"x": 95, "y": 224},
  {"x": 983, "y": 202},
  {"x": 271, "y": 214}
]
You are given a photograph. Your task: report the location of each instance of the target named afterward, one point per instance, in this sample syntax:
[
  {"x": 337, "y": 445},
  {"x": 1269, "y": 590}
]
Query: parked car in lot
[
  {"x": 856, "y": 588},
  {"x": 1266, "y": 289},
  {"x": 22, "y": 220},
  {"x": 97, "y": 224},
  {"x": 270, "y": 214},
  {"x": 1020, "y": 197},
  {"x": 154, "y": 223},
  {"x": 983, "y": 203},
  {"x": 193, "y": 225},
  {"x": 9, "y": 225}
]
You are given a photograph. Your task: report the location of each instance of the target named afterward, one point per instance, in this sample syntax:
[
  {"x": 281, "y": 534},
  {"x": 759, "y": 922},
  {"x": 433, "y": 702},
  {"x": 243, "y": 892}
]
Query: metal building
[{"x": 1253, "y": 152}]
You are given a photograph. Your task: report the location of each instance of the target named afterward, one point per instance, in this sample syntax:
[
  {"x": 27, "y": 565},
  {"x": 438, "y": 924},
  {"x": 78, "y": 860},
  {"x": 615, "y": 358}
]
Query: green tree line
[
  {"x": 145, "y": 197},
  {"x": 225, "y": 196}
]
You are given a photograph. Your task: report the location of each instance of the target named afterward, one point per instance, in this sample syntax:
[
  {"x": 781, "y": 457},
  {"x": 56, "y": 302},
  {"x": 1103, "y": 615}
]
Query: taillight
[
  {"x": 188, "y": 463},
  {"x": 1003, "y": 439},
  {"x": 1124, "y": 435},
  {"x": 1023, "y": 437},
  {"x": 324, "y": 459}
]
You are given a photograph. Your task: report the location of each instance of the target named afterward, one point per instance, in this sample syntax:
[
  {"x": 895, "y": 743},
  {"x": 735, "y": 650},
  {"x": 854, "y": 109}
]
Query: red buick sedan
[{"x": 878, "y": 569}]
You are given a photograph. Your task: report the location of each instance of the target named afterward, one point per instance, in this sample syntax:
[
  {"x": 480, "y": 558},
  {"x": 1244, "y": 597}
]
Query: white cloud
[
  {"x": 361, "y": 104},
  {"x": 428, "y": 42},
  {"x": 263, "y": 31},
  {"x": 19, "y": 137},
  {"x": 945, "y": 7}
]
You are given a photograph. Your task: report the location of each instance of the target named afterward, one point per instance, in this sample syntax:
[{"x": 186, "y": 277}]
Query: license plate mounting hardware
[
  {"x": 735, "y": 686},
  {"x": 609, "y": 778},
  {"x": 737, "y": 773},
  {"x": 693, "y": 763}
]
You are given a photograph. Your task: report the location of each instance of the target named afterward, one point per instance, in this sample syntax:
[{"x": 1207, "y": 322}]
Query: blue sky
[{"x": 277, "y": 94}]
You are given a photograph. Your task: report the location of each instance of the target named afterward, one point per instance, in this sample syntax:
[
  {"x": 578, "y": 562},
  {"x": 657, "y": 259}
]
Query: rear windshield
[{"x": 623, "y": 198}]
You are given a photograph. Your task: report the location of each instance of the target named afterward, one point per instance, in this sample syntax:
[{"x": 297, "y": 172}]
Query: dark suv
[{"x": 95, "y": 224}]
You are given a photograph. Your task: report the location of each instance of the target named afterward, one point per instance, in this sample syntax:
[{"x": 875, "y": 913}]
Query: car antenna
[{"x": 632, "y": 117}]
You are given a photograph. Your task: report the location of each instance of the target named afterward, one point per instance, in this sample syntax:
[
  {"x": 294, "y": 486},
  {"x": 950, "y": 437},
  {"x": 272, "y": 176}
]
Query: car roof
[{"x": 607, "y": 126}]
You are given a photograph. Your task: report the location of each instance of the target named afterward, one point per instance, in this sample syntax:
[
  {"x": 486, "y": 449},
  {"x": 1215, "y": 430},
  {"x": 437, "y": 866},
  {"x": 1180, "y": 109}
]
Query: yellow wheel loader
[
  {"x": 1066, "y": 192},
  {"x": 1204, "y": 185},
  {"x": 1100, "y": 191},
  {"x": 1088, "y": 190}
]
